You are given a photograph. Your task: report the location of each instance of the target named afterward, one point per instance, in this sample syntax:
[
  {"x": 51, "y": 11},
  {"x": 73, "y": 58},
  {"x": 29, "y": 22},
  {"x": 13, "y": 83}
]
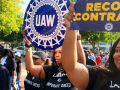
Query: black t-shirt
[
  {"x": 10, "y": 64},
  {"x": 90, "y": 62},
  {"x": 17, "y": 69},
  {"x": 33, "y": 83},
  {"x": 4, "y": 78},
  {"x": 95, "y": 78},
  {"x": 58, "y": 81}
]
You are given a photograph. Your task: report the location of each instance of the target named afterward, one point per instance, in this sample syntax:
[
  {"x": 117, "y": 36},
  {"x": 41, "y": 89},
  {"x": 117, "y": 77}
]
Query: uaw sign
[
  {"x": 97, "y": 15},
  {"x": 44, "y": 23}
]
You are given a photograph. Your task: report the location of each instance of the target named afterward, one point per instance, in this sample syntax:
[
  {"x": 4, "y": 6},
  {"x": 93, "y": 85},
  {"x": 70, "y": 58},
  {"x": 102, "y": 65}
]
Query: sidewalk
[{"x": 23, "y": 76}]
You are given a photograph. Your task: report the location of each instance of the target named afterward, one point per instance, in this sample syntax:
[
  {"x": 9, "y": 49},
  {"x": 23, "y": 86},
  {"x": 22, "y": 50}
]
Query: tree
[
  {"x": 11, "y": 16},
  {"x": 12, "y": 38},
  {"x": 93, "y": 37}
]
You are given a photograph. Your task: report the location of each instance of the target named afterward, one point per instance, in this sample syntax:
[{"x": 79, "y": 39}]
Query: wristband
[
  {"x": 28, "y": 45},
  {"x": 78, "y": 37}
]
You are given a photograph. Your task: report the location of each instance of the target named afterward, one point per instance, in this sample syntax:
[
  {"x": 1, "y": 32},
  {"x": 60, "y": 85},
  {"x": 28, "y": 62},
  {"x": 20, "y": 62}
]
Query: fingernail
[
  {"x": 74, "y": 19},
  {"x": 74, "y": 13}
]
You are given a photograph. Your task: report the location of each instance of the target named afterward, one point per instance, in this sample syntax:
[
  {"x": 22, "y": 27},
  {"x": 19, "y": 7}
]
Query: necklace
[{"x": 60, "y": 70}]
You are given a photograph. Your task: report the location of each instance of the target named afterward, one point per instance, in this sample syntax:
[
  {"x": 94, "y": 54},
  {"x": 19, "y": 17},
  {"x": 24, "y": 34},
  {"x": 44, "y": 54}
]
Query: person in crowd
[
  {"x": 10, "y": 64},
  {"x": 88, "y": 60},
  {"x": 101, "y": 55},
  {"x": 98, "y": 59},
  {"x": 56, "y": 77},
  {"x": 39, "y": 58},
  {"x": 19, "y": 64},
  {"x": 3, "y": 59},
  {"x": 105, "y": 59},
  {"x": 4, "y": 78},
  {"x": 88, "y": 77},
  {"x": 50, "y": 55},
  {"x": 91, "y": 56}
]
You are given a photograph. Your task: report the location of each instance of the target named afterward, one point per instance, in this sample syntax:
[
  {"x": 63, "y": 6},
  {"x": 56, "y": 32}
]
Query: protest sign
[
  {"x": 44, "y": 23},
  {"x": 97, "y": 15}
]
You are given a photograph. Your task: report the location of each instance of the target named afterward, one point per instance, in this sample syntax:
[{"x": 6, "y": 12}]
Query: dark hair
[
  {"x": 113, "y": 71},
  {"x": 12, "y": 56},
  {"x": 47, "y": 62},
  {"x": 112, "y": 67},
  {"x": 54, "y": 65},
  {"x": 5, "y": 52}
]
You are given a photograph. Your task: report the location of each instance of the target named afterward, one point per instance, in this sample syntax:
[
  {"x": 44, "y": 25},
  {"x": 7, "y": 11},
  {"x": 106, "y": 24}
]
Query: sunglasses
[{"x": 35, "y": 58}]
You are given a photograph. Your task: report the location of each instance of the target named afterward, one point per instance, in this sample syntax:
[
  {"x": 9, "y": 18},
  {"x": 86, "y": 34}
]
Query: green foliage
[
  {"x": 15, "y": 36},
  {"x": 11, "y": 16},
  {"x": 93, "y": 37},
  {"x": 72, "y": 0}
]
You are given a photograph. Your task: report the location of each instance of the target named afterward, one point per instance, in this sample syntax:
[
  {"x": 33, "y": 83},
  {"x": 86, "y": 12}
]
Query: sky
[{"x": 24, "y": 6}]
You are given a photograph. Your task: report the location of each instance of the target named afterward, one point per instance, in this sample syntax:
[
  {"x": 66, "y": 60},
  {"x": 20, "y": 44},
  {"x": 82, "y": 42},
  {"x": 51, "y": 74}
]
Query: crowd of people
[
  {"x": 69, "y": 67},
  {"x": 12, "y": 64}
]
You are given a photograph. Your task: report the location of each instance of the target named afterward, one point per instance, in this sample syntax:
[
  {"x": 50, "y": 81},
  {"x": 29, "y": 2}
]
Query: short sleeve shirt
[
  {"x": 33, "y": 83},
  {"x": 95, "y": 78},
  {"x": 4, "y": 78},
  {"x": 10, "y": 64},
  {"x": 58, "y": 81},
  {"x": 18, "y": 68}
]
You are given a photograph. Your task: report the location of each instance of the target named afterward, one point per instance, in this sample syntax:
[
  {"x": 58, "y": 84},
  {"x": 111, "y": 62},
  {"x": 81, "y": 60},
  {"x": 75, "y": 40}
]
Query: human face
[
  {"x": 116, "y": 56},
  {"x": 58, "y": 55},
  {"x": 9, "y": 54},
  {"x": 37, "y": 61}
]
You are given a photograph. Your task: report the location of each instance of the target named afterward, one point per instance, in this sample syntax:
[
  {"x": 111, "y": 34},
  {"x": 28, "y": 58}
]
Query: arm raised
[
  {"x": 35, "y": 70},
  {"x": 77, "y": 73}
]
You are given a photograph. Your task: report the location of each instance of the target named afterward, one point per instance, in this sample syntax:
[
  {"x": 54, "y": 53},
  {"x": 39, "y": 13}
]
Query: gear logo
[
  {"x": 108, "y": 26},
  {"x": 44, "y": 21}
]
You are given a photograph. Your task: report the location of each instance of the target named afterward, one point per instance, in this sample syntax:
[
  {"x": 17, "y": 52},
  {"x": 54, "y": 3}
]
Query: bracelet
[
  {"x": 78, "y": 37},
  {"x": 28, "y": 49},
  {"x": 28, "y": 45}
]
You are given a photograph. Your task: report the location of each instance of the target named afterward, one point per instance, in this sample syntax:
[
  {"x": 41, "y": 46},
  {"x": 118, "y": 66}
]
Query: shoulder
[
  {"x": 3, "y": 69},
  {"x": 20, "y": 61}
]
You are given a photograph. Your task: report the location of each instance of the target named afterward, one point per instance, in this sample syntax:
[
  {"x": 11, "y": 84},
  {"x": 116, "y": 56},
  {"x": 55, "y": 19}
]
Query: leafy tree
[
  {"x": 10, "y": 15},
  {"x": 12, "y": 38},
  {"x": 93, "y": 37}
]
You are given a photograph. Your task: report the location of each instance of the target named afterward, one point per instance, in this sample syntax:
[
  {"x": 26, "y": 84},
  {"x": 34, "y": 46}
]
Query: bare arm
[
  {"x": 35, "y": 70},
  {"x": 77, "y": 73},
  {"x": 81, "y": 55},
  {"x": 20, "y": 68}
]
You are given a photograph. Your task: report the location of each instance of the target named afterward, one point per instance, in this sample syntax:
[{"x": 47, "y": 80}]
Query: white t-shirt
[{"x": 3, "y": 60}]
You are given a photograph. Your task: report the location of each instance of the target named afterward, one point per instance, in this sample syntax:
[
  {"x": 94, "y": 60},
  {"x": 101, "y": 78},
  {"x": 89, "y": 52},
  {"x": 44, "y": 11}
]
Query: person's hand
[
  {"x": 24, "y": 36},
  {"x": 13, "y": 81},
  {"x": 70, "y": 15},
  {"x": 17, "y": 78}
]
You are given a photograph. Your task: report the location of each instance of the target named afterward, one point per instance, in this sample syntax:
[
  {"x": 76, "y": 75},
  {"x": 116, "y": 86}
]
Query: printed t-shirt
[
  {"x": 95, "y": 78},
  {"x": 17, "y": 68},
  {"x": 33, "y": 83},
  {"x": 10, "y": 64},
  {"x": 4, "y": 78},
  {"x": 58, "y": 81}
]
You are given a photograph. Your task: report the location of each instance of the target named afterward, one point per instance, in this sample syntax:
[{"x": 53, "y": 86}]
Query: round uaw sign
[{"x": 44, "y": 21}]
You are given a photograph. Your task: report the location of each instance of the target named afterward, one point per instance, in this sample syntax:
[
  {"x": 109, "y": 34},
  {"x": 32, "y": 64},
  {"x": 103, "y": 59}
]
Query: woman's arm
[
  {"x": 13, "y": 76},
  {"x": 20, "y": 68},
  {"x": 35, "y": 70},
  {"x": 77, "y": 73},
  {"x": 81, "y": 55}
]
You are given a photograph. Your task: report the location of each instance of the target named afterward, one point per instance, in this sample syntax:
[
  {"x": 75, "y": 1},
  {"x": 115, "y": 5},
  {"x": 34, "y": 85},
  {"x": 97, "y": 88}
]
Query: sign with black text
[
  {"x": 97, "y": 15},
  {"x": 44, "y": 23}
]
